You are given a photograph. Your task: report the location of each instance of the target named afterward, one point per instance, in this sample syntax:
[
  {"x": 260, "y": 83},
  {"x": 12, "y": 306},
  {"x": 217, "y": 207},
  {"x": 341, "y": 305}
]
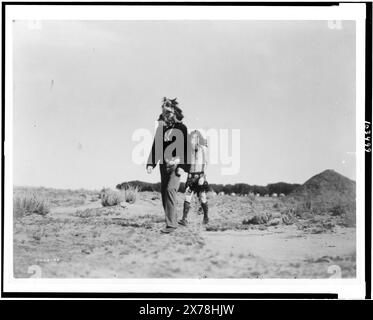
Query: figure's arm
[
  {"x": 185, "y": 165},
  {"x": 151, "y": 159},
  {"x": 155, "y": 153},
  {"x": 204, "y": 157}
]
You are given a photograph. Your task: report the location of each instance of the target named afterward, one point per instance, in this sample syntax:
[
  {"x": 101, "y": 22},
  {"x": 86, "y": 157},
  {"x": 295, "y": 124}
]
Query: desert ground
[{"x": 247, "y": 237}]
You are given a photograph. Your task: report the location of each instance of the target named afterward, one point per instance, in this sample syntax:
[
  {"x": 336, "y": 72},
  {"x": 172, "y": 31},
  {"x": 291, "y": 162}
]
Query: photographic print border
[{"x": 267, "y": 295}]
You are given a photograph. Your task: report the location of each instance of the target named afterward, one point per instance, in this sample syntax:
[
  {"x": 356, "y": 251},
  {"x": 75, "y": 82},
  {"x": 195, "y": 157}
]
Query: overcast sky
[{"x": 82, "y": 88}]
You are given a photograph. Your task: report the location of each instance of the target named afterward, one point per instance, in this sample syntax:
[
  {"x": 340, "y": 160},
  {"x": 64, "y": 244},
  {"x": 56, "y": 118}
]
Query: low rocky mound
[
  {"x": 327, "y": 193},
  {"x": 327, "y": 187}
]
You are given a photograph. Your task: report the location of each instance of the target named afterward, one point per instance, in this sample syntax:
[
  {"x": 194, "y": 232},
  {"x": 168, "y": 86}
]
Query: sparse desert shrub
[
  {"x": 29, "y": 203},
  {"x": 322, "y": 226},
  {"x": 288, "y": 216},
  {"x": 251, "y": 197},
  {"x": 102, "y": 192},
  {"x": 347, "y": 221},
  {"x": 260, "y": 218},
  {"x": 130, "y": 194},
  {"x": 111, "y": 198},
  {"x": 304, "y": 210},
  {"x": 308, "y": 205},
  {"x": 274, "y": 222},
  {"x": 95, "y": 198},
  {"x": 155, "y": 197},
  {"x": 340, "y": 209}
]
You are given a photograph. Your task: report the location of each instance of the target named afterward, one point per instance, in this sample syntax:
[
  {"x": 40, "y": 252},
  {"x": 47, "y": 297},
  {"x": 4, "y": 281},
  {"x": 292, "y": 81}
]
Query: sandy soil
[{"x": 89, "y": 241}]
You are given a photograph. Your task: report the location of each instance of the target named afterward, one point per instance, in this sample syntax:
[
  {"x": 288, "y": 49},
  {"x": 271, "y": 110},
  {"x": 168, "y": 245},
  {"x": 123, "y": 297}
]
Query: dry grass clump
[
  {"x": 57, "y": 197},
  {"x": 29, "y": 203},
  {"x": 110, "y": 197},
  {"x": 130, "y": 194}
]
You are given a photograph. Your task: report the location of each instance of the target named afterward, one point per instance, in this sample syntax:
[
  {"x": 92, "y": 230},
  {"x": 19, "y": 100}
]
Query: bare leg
[
  {"x": 204, "y": 205},
  {"x": 188, "y": 198}
]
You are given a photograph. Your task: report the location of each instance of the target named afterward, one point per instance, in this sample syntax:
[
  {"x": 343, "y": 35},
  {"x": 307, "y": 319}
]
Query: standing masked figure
[
  {"x": 170, "y": 150},
  {"x": 196, "y": 182}
]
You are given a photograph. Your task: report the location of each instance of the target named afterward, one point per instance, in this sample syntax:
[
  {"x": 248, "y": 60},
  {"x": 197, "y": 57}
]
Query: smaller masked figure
[{"x": 196, "y": 181}]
